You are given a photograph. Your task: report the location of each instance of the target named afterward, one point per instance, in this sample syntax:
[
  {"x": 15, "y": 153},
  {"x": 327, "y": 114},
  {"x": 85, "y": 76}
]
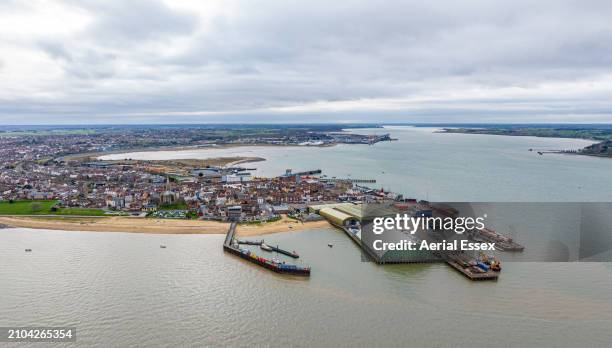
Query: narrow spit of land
[
  {"x": 179, "y": 163},
  {"x": 93, "y": 156}
]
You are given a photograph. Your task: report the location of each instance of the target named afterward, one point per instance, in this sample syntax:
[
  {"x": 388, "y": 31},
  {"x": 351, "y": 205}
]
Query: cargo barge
[
  {"x": 285, "y": 252},
  {"x": 469, "y": 267},
  {"x": 249, "y": 242},
  {"x": 231, "y": 245},
  {"x": 502, "y": 242}
]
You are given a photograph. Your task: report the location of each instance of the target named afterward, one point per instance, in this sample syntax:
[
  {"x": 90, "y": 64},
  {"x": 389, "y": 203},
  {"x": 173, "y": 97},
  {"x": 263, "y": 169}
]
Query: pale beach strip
[{"x": 155, "y": 226}]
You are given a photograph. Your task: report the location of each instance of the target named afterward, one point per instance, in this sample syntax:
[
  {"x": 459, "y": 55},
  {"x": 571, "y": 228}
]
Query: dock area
[
  {"x": 460, "y": 261},
  {"x": 232, "y": 246}
]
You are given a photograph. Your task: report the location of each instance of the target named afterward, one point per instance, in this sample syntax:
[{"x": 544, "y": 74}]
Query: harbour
[
  {"x": 232, "y": 246},
  {"x": 351, "y": 217}
]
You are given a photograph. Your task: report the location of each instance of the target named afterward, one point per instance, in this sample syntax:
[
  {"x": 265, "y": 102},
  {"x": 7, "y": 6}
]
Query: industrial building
[{"x": 352, "y": 218}]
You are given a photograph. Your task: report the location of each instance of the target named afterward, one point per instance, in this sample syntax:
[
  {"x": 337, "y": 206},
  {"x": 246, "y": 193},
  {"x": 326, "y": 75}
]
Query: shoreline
[
  {"x": 154, "y": 226},
  {"x": 484, "y": 131}
]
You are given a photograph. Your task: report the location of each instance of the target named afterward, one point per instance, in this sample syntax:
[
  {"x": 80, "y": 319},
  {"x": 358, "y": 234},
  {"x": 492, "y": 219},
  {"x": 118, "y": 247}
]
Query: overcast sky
[{"x": 121, "y": 61}]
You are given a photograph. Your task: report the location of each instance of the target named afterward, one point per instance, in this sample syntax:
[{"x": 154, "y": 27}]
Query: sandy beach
[
  {"x": 283, "y": 225},
  {"x": 154, "y": 226}
]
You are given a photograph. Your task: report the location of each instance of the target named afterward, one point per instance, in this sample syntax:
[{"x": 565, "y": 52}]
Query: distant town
[{"x": 57, "y": 173}]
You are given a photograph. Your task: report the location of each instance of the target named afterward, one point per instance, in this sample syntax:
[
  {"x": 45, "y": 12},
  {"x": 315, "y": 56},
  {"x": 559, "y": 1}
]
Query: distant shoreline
[
  {"x": 599, "y": 140},
  {"x": 513, "y": 133},
  {"x": 97, "y": 155}
]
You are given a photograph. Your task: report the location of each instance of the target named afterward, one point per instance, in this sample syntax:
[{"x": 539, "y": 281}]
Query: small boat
[
  {"x": 330, "y": 245},
  {"x": 28, "y": 250},
  {"x": 162, "y": 246},
  {"x": 265, "y": 247}
]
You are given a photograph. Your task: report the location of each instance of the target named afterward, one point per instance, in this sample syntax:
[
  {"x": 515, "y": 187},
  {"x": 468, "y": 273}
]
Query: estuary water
[
  {"x": 122, "y": 290},
  {"x": 426, "y": 164}
]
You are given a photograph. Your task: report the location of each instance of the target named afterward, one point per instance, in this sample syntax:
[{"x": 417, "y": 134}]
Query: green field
[
  {"x": 44, "y": 208},
  {"x": 176, "y": 206},
  {"x": 26, "y": 207},
  {"x": 80, "y": 211}
]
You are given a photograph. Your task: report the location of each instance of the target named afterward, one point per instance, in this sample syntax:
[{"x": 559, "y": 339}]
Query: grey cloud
[
  {"x": 56, "y": 50},
  {"x": 272, "y": 54},
  {"x": 80, "y": 63},
  {"x": 128, "y": 21}
]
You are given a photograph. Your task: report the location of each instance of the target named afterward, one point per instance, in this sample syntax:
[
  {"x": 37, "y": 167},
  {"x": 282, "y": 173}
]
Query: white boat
[{"x": 265, "y": 247}]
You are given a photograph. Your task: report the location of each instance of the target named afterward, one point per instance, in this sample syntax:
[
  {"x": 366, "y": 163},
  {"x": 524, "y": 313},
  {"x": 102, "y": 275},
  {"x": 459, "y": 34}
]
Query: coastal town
[
  {"x": 58, "y": 173},
  {"x": 50, "y": 177}
]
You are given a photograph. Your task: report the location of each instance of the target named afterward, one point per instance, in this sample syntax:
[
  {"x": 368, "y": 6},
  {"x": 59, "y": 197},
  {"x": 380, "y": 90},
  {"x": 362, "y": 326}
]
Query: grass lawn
[
  {"x": 80, "y": 211},
  {"x": 26, "y": 207},
  {"x": 43, "y": 208},
  {"x": 176, "y": 206}
]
